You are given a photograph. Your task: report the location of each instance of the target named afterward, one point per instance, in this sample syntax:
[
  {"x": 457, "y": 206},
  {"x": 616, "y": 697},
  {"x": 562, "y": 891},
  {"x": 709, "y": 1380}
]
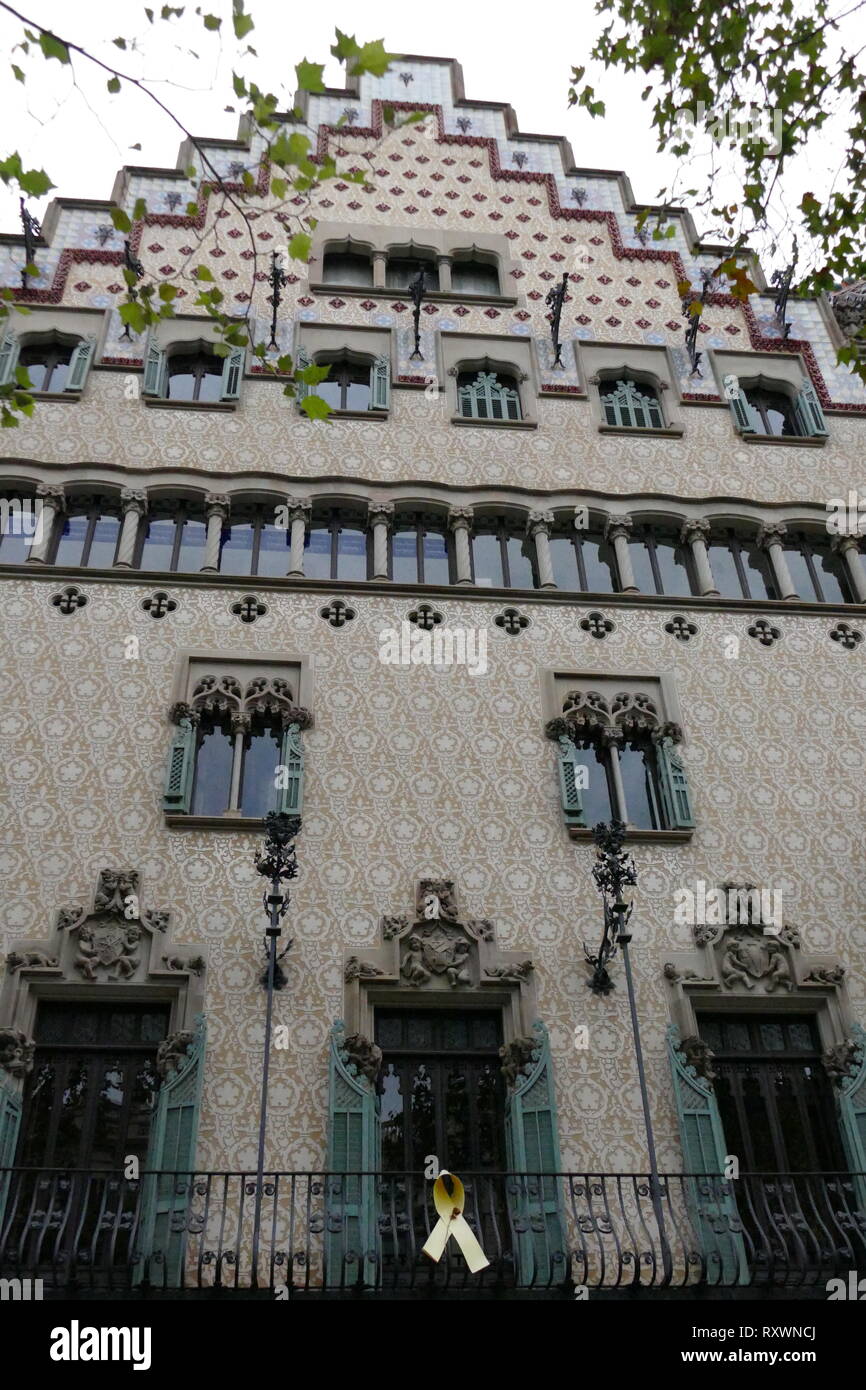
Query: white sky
[{"x": 82, "y": 135}]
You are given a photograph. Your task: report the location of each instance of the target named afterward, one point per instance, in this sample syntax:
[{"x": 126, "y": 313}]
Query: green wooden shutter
[
  {"x": 155, "y": 370},
  {"x": 532, "y": 1145},
  {"x": 180, "y": 769},
  {"x": 291, "y": 797},
  {"x": 812, "y": 421},
  {"x": 351, "y": 1228},
  {"x": 233, "y": 370},
  {"x": 79, "y": 364},
  {"x": 570, "y": 759},
  {"x": 746, "y": 418},
  {"x": 674, "y": 787},
  {"x": 712, "y": 1202},
  {"x": 380, "y": 384},
  {"x": 167, "y": 1184},
  {"x": 302, "y": 360},
  {"x": 9, "y": 350},
  {"x": 10, "y": 1123},
  {"x": 851, "y": 1099}
]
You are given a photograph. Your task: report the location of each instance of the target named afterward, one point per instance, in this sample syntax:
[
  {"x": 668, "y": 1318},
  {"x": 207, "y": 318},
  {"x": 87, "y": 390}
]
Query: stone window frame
[
  {"x": 183, "y": 331},
  {"x": 366, "y": 341},
  {"x": 781, "y": 372},
  {"x": 602, "y": 362},
  {"x": 446, "y": 243},
  {"x": 471, "y": 352},
  {"x": 71, "y": 326},
  {"x": 297, "y": 670},
  {"x": 84, "y": 504}
]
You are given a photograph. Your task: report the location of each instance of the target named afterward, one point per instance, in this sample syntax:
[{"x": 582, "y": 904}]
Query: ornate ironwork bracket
[
  {"x": 134, "y": 267},
  {"x": 32, "y": 230},
  {"x": 782, "y": 280},
  {"x": 613, "y": 871},
  {"x": 277, "y": 279},
  {"x": 554, "y": 301},
  {"x": 416, "y": 292},
  {"x": 694, "y": 322}
]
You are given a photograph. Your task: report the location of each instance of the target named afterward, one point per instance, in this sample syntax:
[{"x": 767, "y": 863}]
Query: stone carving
[
  {"x": 748, "y": 958},
  {"x": 392, "y": 926},
  {"x": 31, "y": 960},
  {"x": 512, "y": 974},
  {"x": 675, "y": 974},
  {"x": 195, "y": 964},
  {"x": 115, "y": 886},
  {"x": 356, "y": 969},
  {"x": 112, "y": 949},
  {"x": 413, "y": 968},
  {"x": 825, "y": 975},
  {"x": 437, "y": 950},
  {"x": 840, "y": 1061},
  {"x": 362, "y": 1054},
  {"x": 517, "y": 1058},
  {"x": 442, "y": 890},
  {"x": 16, "y": 1052},
  {"x": 171, "y": 1054},
  {"x": 698, "y": 1055},
  {"x": 156, "y": 919},
  {"x": 481, "y": 926}
]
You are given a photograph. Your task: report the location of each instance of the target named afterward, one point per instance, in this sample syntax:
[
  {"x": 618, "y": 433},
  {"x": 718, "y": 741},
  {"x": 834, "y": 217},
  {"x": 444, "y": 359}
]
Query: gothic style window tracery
[
  {"x": 488, "y": 396},
  {"x": 631, "y": 405}
]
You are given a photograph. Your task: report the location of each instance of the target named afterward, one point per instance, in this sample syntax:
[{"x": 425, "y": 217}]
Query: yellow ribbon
[{"x": 452, "y": 1223}]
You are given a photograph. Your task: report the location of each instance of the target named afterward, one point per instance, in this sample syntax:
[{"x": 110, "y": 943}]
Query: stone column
[
  {"x": 241, "y": 724},
  {"x": 380, "y": 518},
  {"x": 216, "y": 509},
  {"x": 612, "y": 739},
  {"x": 444, "y": 264},
  {"x": 380, "y": 261},
  {"x": 694, "y": 533},
  {"x": 300, "y": 511},
  {"x": 133, "y": 505},
  {"x": 53, "y": 501},
  {"x": 460, "y": 521},
  {"x": 616, "y": 530},
  {"x": 538, "y": 526},
  {"x": 770, "y": 538},
  {"x": 849, "y": 547}
]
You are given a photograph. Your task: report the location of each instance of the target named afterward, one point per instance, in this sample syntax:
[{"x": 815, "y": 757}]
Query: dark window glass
[
  {"x": 639, "y": 780},
  {"x": 799, "y": 571},
  {"x": 194, "y": 378},
  {"x": 47, "y": 367},
  {"x": 103, "y": 543},
  {"x": 599, "y": 563},
  {"x": 351, "y": 553},
  {"x": 520, "y": 571},
  {"x": 401, "y": 272},
  {"x": 564, "y": 561},
  {"x": 236, "y": 550},
  {"x": 158, "y": 547},
  {"x": 317, "y": 552},
  {"x": 642, "y": 566},
  {"x": 775, "y": 410},
  {"x": 347, "y": 387},
  {"x": 192, "y": 546},
  {"x": 831, "y": 574},
  {"x": 673, "y": 567},
  {"x": 597, "y": 796},
  {"x": 758, "y": 571},
  {"x": 259, "y": 792},
  {"x": 213, "y": 770},
  {"x": 345, "y": 268},
  {"x": 726, "y": 576},
  {"x": 474, "y": 277}
]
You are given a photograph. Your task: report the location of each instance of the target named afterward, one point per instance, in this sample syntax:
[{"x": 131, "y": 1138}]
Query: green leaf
[
  {"x": 243, "y": 22},
  {"x": 140, "y": 210},
  {"x": 119, "y": 43},
  {"x": 168, "y": 11},
  {"x": 315, "y": 408},
  {"x": 373, "y": 59},
  {"x": 299, "y": 246},
  {"x": 239, "y": 85},
  {"x": 35, "y": 182},
  {"x": 19, "y": 75},
  {"x": 52, "y": 47},
  {"x": 192, "y": 209},
  {"x": 313, "y": 374},
  {"x": 120, "y": 220},
  {"x": 201, "y": 272},
  {"x": 310, "y": 76},
  {"x": 113, "y": 85},
  {"x": 149, "y": 14},
  {"x": 167, "y": 292},
  {"x": 22, "y": 376},
  {"x": 212, "y": 21},
  {"x": 133, "y": 315},
  {"x": 345, "y": 47},
  {"x": 279, "y": 188}
]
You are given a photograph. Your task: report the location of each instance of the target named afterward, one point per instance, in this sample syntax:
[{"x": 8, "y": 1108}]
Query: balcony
[{"x": 189, "y": 1235}]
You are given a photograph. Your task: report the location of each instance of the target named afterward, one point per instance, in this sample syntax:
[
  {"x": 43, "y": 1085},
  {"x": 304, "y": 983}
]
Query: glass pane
[
  {"x": 181, "y": 386},
  {"x": 70, "y": 547},
  {"x": 211, "y": 383},
  {"x": 400, "y": 273},
  {"x": 192, "y": 546},
  {"x": 642, "y": 567},
  {"x": 345, "y": 269},
  {"x": 724, "y": 569},
  {"x": 57, "y": 380},
  {"x": 104, "y": 1143},
  {"x": 261, "y": 760},
  {"x": 800, "y": 1036},
  {"x": 236, "y": 553},
  {"x": 637, "y": 766},
  {"x": 772, "y": 1037},
  {"x": 435, "y": 558},
  {"x": 213, "y": 773},
  {"x": 458, "y": 1128},
  {"x": 672, "y": 567},
  {"x": 520, "y": 563},
  {"x": 799, "y": 571},
  {"x": 423, "y": 1116},
  {"x": 405, "y": 555},
  {"x": 488, "y": 561},
  {"x": 391, "y": 1119},
  {"x": 473, "y": 277},
  {"x": 736, "y": 1037},
  {"x": 104, "y": 544},
  {"x": 158, "y": 545},
  {"x": 274, "y": 552},
  {"x": 358, "y": 395},
  {"x": 831, "y": 575},
  {"x": 36, "y": 370},
  {"x": 317, "y": 553},
  {"x": 756, "y": 564},
  {"x": 564, "y": 561},
  {"x": 596, "y": 795},
  {"x": 332, "y": 392},
  {"x": 17, "y": 530},
  {"x": 600, "y": 565},
  {"x": 351, "y": 553}
]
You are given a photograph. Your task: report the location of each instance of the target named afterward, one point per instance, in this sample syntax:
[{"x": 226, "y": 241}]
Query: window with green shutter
[
  {"x": 532, "y": 1142},
  {"x": 631, "y": 406},
  {"x": 351, "y": 1228}
]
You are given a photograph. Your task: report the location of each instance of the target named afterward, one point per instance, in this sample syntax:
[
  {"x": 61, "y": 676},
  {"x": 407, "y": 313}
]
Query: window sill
[
  {"x": 797, "y": 441},
  {"x": 669, "y": 431},
  {"x": 157, "y": 403},
  {"x": 68, "y": 396},
  {"x": 644, "y": 837},
  {"x": 430, "y": 296},
  {"x": 250, "y": 824},
  {"x": 495, "y": 424},
  {"x": 349, "y": 415}
]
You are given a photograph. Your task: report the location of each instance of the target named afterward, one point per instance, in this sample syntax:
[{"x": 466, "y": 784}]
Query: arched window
[
  {"x": 776, "y": 409},
  {"x": 253, "y": 543},
  {"x": 89, "y": 533},
  {"x": 583, "y": 560},
  {"x": 192, "y": 372},
  {"x": 473, "y": 275},
  {"x": 631, "y": 405},
  {"x": 173, "y": 536},
  {"x": 740, "y": 568},
  {"x": 817, "y": 571},
  {"x": 55, "y": 362},
  {"x": 488, "y": 396},
  {"x": 336, "y": 545},
  {"x": 502, "y": 555},
  {"x": 194, "y": 376},
  {"x": 419, "y": 549},
  {"x": 660, "y": 564},
  {"x": 403, "y": 267},
  {"x": 347, "y": 265},
  {"x": 355, "y": 381}
]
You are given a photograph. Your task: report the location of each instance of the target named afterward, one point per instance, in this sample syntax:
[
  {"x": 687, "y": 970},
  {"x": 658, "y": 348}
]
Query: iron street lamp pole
[{"x": 277, "y": 863}]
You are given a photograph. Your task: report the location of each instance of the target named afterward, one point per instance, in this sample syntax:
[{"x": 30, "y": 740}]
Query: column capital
[
  {"x": 381, "y": 512},
  {"x": 241, "y": 722},
  {"x": 617, "y": 526},
  {"x": 53, "y": 494},
  {"x": 299, "y": 508},
  {"x": 842, "y": 544},
  {"x": 133, "y": 500},
  {"x": 694, "y": 529},
  {"x": 771, "y": 533},
  {"x": 380, "y": 255},
  {"x": 537, "y": 522},
  {"x": 460, "y": 518},
  {"x": 216, "y": 504}
]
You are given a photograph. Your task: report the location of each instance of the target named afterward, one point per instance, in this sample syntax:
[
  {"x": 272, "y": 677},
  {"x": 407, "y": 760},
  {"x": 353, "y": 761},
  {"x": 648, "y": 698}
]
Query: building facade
[{"x": 518, "y": 583}]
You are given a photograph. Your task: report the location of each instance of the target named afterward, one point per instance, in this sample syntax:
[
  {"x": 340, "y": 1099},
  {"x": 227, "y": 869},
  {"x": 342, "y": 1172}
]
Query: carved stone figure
[
  {"x": 365, "y": 1055},
  {"x": 456, "y": 973},
  {"x": 16, "y": 1052},
  {"x": 30, "y": 960},
  {"x": 674, "y": 973},
  {"x": 392, "y": 926},
  {"x": 517, "y": 1059},
  {"x": 482, "y": 926},
  {"x": 413, "y": 968},
  {"x": 748, "y": 959},
  {"x": 356, "y": 968},
  {"x": 697, "y": 1054},
  {"x": 171, "y": 1053},
  {"x": 115, "y": 951},
  {"x": 516, "y": 974},
  {"x": 445, "y": 905},
  {"x": 840, "y": 1061},
  {"x": 115, "y": 885},
  {"x": 86, "y": 958},
  {"x": 826, "y": 974},
  {"x": 195, "y": 965},
  {"x": 437, "y": 949}
]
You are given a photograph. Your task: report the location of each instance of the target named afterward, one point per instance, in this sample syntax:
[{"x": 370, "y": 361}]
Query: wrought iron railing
[{"x": 364, "y": 1232}]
